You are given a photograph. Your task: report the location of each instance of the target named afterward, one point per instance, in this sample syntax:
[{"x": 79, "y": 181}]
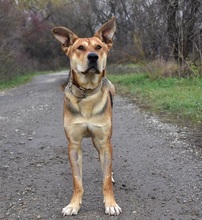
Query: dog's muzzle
[
  {"x": 92, "y": 63},
  {"x": 92, "y": 58}
]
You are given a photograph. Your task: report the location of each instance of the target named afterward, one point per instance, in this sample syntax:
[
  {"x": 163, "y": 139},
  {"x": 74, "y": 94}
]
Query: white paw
[
  {"x": 113, "y": 210},
  {"x": 70, "y": 210}
]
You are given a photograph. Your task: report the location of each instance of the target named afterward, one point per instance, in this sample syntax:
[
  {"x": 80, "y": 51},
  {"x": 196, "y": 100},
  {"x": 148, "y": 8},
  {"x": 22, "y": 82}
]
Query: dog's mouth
[
  {"x": 91, "y": 69},
  {"x": 92, "y": 59}
]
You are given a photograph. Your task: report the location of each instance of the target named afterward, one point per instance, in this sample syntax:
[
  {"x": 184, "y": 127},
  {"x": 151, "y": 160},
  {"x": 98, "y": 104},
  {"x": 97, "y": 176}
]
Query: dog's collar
[{"x": 81, "y": 92}]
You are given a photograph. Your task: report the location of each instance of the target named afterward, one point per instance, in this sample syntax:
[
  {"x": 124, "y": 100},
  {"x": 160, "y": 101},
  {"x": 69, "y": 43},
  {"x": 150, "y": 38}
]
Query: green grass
[
  {"x": 16, "y": 81},
  {"x": 179, "y": 97},
  {"x": 19, "y": 80}
]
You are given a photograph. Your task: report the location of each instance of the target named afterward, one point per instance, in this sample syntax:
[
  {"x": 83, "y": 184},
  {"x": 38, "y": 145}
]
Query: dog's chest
[
  {"x": 91, "y": 106},
  {"x": 86, "y": 108}
]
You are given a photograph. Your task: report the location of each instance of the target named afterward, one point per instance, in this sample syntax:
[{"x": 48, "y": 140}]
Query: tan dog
[{"x": 88, "y": 108}]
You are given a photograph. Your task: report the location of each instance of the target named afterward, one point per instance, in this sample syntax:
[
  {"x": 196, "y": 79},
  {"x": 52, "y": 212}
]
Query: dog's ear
[
  {"x": 65, "y": 36},
  {"x": 106, "y": 32}
]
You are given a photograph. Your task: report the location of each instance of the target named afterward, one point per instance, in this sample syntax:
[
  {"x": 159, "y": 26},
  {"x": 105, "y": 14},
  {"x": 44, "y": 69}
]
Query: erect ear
[
  {"x": 64, "y": 35},
  {"x": 106, "y": 32}
]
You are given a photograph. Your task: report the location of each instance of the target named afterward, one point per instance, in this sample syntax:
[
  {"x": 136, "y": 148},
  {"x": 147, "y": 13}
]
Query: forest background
[{"x": 165, "y": 32}]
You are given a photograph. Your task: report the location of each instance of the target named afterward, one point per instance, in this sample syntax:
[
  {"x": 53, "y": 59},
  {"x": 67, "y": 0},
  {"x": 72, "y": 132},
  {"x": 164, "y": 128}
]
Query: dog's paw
[
  {"x": 113, "y": 210},
  {"x": 70, "y": 210}
]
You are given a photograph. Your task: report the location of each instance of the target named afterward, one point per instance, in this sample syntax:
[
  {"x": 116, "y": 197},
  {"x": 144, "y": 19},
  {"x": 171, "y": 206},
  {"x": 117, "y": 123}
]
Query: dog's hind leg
[{"x": 75, "y": 157}]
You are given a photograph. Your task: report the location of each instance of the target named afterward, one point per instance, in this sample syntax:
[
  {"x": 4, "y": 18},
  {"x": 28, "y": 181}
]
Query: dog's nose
[{"x": 92, "y": 57}]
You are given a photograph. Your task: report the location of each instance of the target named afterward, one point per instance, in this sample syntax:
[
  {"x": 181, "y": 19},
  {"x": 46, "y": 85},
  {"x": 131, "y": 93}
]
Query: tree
[{"x": 10, "y": 23}]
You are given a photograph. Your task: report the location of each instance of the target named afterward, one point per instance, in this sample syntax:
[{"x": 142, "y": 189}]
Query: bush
[{"x": 160, "y": 69}]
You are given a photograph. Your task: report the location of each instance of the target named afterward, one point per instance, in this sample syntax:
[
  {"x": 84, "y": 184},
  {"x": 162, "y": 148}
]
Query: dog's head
[{"x": 87, "y": 55}]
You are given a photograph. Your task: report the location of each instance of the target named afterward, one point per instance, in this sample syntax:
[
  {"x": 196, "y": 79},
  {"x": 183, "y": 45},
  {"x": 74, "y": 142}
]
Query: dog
[{"x": 88, "y": 108}]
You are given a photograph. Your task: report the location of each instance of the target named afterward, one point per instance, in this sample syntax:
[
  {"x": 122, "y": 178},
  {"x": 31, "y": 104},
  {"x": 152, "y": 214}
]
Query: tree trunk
[{"x": 172, "y": 27}]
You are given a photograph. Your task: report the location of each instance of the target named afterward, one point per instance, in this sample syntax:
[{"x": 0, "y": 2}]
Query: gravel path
[{"x": 158, "y": 174}]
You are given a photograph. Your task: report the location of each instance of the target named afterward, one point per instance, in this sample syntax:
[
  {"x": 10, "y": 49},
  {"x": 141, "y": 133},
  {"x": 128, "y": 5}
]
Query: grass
[
  {"x": 179, "y": 97},
  {"x": 16, "y": 81},
  {"x": 19, "y": 80}
]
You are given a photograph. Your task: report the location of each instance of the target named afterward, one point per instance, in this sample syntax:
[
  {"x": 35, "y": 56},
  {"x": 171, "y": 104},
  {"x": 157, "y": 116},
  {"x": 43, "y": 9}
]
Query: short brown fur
[{"x": 88, "y": 108}]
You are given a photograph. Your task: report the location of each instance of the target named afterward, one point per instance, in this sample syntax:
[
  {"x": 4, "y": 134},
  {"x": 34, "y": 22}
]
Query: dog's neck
[
  {"x": 82, "y": 93},
  {"x": 87, "y": 89},
  {"x": 87, "y": 81}
]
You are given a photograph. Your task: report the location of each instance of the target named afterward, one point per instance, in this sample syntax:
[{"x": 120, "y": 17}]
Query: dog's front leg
[
  {"x": 75, "y": 157},
  {"x": 105, "y": 150}
]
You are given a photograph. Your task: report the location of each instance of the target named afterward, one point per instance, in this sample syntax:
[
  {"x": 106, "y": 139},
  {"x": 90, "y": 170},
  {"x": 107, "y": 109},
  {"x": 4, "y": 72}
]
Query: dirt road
[{"x": 158, "y": 174}]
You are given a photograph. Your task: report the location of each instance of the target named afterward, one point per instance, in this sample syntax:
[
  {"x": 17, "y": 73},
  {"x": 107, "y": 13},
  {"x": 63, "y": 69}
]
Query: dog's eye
[
  {"x": 98, "y": 47},
  {"x": 81, "y": 47}
]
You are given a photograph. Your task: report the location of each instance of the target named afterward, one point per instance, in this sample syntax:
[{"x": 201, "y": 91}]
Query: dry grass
[{"x": 160, "y": 68}]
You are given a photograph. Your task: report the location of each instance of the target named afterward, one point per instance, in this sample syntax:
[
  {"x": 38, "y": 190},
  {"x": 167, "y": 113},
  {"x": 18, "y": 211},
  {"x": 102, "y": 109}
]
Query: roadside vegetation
[
  {"x": 15, "y": 81},
  {"x": 19, "y": 80},
  {"x": 180, "y": 98}
]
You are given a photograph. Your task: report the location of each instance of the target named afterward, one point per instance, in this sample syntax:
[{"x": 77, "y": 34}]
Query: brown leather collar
[{"x": 81, "y": 92}]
